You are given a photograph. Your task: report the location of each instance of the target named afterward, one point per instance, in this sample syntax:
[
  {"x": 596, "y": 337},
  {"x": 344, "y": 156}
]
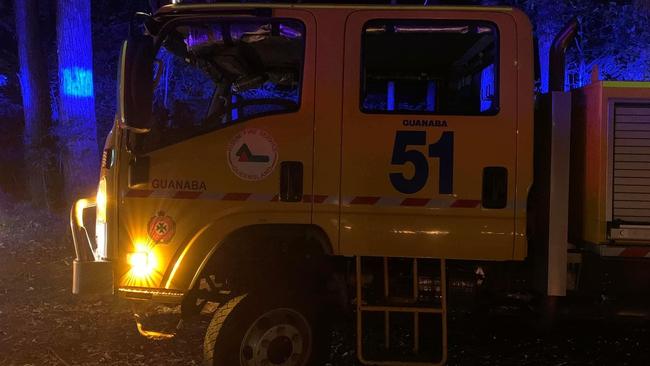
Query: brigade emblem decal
[
  {"x": 161, "y": 228},
  {"x": 252, "y": 154}
]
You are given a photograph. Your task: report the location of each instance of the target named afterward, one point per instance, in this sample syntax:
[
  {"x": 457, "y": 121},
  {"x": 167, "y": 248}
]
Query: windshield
[{"x": 213, "y": 75}]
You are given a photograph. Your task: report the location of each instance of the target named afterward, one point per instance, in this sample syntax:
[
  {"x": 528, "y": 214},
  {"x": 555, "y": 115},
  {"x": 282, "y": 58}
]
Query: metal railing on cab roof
[{"x": 156, "y": 4}]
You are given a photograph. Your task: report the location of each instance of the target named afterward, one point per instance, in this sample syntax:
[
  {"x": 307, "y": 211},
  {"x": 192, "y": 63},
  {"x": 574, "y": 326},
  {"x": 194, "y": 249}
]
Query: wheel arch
[{"x": 292, "y": 239}]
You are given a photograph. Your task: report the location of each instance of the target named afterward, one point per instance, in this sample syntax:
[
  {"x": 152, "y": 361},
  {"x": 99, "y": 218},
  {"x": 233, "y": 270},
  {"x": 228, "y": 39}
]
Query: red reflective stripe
[
  {"x": 634, "y": 252},
  {"x": 465, "y": 204},
  {"x": 415, "y": 202},
  {"x": 321, "y": 198},
  {"x": 187, "y": 195},
  {"x": 139, "y": 193},
  {"x": 236, "y": 196},
  {"x": 364, "y": 200}
]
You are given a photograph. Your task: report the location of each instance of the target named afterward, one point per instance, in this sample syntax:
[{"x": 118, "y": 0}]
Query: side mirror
[{"x": 136, "y": 83}]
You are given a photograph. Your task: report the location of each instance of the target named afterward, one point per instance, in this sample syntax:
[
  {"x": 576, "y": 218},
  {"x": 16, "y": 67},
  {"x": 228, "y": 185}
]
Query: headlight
[
  {"x": 100, "y": 223},
  {"x": 101, "y": 200},
  {"x": 143, "y": 263}
]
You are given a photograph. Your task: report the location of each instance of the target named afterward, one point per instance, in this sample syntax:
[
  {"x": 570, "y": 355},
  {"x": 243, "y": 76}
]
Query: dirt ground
[{"x": 41, "y": 323}]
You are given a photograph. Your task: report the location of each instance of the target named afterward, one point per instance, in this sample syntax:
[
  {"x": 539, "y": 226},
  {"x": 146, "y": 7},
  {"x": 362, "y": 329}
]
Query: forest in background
[
  {"x": 109, "y": 24},
  {"x": 613, "y": 35}
]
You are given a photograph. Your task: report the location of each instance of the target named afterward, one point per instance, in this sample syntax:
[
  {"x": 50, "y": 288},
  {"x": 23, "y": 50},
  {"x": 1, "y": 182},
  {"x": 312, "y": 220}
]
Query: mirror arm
[
  {"x": 131, "y": 142},
  {"x": 136, "y": 130}
]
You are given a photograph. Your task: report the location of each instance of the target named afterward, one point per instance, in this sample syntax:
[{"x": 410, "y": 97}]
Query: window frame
[
  {"x": 441, "y": 22},
  {"x": 169, "y": 26}
]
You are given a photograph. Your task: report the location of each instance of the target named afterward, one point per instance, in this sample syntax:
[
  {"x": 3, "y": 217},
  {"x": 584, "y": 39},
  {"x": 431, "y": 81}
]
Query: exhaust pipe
[{"x": 557, "y": 56}]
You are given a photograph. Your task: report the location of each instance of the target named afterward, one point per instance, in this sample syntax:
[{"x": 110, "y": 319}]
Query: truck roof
[{"x": 172, "y": 9}]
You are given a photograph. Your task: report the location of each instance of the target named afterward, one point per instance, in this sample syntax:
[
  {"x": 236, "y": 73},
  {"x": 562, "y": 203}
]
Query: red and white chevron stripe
[{"x": 317, "y": 199}]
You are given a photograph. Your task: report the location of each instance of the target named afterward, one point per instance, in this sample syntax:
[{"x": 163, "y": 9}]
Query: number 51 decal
[{"x": 443, "y": 149}]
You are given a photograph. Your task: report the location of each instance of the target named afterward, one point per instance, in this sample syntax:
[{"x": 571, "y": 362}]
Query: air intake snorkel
[{"x": 557, "y": 56}]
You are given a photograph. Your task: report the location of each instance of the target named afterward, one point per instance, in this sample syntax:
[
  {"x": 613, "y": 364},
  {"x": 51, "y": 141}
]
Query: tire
[{"x": 253, "y": 330}]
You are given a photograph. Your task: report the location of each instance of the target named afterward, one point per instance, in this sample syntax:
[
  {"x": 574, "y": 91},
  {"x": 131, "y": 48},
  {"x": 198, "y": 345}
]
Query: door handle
[
  {"x": 291, "y": 173},
  {"x": 495, "y": 187}
]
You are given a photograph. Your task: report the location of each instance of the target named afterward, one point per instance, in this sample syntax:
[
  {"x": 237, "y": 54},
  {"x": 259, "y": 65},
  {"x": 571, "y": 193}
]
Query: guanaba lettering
[
  {"x": 424, "y": 123},
  {"x": 179, "y": 184}
]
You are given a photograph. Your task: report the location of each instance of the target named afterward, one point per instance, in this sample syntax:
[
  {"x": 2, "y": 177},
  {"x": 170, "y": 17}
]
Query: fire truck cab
[{"x": 281, "y": 161}]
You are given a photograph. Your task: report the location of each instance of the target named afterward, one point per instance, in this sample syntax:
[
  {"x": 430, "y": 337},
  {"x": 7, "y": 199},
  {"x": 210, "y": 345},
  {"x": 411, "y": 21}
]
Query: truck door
[
  {"x": 429, "y": 134},
  {"x": 231, "y": 145}
]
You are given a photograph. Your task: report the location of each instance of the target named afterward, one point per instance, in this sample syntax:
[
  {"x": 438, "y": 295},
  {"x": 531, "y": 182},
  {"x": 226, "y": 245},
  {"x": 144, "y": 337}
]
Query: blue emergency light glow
[
  {"x": 487, "y": 88},
  {"x": 77, "y": 82},
  {"x": 234, "y": 113},
  {"x": 4, "y": 80},
  {"x": 431, "y": 96},
  {"x": 390, "y": 96}
]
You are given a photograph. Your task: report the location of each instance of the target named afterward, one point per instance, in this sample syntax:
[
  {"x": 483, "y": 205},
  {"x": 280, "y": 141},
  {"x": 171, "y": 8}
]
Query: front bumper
[{"x": 89, "y": 275}]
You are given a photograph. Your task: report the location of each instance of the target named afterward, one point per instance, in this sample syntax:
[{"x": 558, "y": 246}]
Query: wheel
[{"x": 252, "y": 330}]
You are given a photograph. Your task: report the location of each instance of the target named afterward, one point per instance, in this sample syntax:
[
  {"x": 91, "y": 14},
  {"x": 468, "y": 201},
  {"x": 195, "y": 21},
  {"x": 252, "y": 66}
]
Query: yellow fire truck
[{"x": 282, "y": 162}]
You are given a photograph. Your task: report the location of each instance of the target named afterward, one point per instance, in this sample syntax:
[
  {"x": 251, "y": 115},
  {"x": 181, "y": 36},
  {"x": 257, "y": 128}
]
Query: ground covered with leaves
[{"x": 41, "y": 323}]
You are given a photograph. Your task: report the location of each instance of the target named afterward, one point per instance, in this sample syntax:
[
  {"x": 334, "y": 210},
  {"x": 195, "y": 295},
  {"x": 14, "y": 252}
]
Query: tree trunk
[
  {"x": 36, "y": 100},
  {"x": 77, "y": 128}
]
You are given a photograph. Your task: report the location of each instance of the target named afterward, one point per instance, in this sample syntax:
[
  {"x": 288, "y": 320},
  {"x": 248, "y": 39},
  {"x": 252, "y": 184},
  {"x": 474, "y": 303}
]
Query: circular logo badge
[
  {"x": 161, "y": 228},
  {"x": 252, "y": 154}
]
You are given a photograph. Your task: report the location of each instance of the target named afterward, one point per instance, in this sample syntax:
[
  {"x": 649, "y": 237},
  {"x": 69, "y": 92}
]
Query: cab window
[
  {"x": 430, "y": 67},
  {"x": 214, "y": 75}
]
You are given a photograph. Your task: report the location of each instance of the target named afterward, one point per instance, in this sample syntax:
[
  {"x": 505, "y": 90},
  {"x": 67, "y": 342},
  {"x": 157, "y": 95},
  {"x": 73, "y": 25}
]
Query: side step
[
  {"x": 424, "y": 314},
  {"x": 631, "y": 234}
]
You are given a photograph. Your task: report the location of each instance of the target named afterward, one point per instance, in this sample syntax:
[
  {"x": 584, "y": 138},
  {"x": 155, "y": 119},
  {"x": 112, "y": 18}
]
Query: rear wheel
[{"x": 252, "y": 330}]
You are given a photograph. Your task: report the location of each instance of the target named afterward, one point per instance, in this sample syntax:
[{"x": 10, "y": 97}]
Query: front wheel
[{"x": 252, "y": 330}]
